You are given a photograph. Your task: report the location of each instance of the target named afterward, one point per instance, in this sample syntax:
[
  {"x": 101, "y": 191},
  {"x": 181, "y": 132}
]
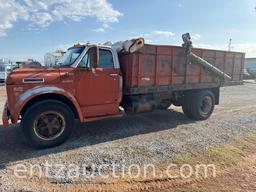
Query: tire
[
  {"x": 47, "y": 124},
  {"x": 186, "y": 105},
  {"x": 201, "y": 104},
  {"x": 186, "y": 110}
]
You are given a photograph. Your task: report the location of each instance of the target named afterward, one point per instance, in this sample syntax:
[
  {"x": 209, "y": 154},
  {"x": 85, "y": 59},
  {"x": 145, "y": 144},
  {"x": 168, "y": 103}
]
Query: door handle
[
  {"x": 66, "y": 74},
  {"x": 113, "y": 75}
]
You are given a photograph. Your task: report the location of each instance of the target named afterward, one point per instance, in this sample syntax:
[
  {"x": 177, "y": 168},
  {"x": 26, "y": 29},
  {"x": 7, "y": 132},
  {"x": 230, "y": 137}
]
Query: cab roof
[{"x": 78, "y": 45}]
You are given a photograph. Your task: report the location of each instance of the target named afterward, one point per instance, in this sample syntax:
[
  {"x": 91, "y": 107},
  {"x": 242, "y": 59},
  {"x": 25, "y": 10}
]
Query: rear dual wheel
[{"x": 199, "y": 105}]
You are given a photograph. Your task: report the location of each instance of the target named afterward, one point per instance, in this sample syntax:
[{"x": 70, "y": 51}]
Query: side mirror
[{"x": 95, "y": 57}]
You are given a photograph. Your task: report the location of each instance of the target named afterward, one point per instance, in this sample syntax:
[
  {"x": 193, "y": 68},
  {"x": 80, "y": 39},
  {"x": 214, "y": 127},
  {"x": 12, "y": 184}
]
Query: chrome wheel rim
[{"x": 49, "y": 125}]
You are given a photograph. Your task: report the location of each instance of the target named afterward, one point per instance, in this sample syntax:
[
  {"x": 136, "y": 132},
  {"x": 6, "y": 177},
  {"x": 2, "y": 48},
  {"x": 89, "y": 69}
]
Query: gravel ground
[{"x": 143, "y": 138}]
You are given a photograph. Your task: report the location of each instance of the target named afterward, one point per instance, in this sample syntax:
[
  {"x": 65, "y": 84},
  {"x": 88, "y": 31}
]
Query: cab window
[
  {"x": 87, "y": 60},
  {"x": 106, "y": 59}
]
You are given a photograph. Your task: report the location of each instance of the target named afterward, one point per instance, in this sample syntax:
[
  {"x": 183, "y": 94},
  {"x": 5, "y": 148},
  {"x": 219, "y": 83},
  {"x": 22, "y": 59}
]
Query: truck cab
[
  {"x": 97, "y": 78},
  {"x": 86, "y": 84}
]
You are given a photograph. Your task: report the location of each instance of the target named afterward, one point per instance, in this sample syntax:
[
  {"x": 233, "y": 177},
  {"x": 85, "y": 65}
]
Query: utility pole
[{"x": 230, "y": 45}]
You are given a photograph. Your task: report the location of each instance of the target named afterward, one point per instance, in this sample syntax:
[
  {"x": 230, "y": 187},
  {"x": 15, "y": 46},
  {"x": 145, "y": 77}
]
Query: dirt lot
[{"x": 156, "y": 138}]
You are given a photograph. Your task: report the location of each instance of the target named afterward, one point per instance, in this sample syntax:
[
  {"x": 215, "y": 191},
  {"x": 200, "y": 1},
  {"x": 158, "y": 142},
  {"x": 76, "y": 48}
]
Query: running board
[{"x": 90, "y": 119}]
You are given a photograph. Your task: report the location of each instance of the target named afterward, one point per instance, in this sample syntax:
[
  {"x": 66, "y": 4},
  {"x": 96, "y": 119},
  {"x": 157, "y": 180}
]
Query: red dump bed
[{"x": 159, "y": 68}]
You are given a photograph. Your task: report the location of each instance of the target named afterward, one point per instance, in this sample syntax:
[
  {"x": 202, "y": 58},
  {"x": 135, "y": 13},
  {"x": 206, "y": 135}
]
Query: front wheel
[{"x": 47, "y": 123}]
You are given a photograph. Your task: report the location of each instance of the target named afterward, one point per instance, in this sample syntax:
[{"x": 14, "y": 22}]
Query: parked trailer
[{"x": 93, "y": 82}]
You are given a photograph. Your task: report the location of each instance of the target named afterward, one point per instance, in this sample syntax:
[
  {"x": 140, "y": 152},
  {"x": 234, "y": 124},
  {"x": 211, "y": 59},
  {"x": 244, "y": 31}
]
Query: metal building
[{"x": 250, "y": 64}]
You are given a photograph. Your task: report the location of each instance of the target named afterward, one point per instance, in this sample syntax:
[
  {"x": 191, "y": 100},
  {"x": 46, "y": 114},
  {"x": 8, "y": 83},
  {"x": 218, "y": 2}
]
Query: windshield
[{"x": 70, "y": 56}]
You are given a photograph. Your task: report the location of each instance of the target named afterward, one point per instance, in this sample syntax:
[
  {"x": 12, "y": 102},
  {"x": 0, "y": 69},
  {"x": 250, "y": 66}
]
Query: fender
[{"x": 25, "y": 97}]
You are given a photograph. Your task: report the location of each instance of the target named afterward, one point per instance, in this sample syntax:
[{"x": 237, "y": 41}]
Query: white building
[{"x": 51, "y": 58}]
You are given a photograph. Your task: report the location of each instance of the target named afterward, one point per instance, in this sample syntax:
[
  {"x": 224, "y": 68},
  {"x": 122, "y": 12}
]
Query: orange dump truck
[{"x": 93, "y": 82}]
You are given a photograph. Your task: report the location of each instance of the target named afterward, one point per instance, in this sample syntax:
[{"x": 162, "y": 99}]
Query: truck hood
[{"x": 33, "y": 76}]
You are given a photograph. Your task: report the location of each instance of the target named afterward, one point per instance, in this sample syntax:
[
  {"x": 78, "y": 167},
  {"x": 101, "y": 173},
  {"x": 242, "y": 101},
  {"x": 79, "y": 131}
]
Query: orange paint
[{"x": 96, "y": 92}]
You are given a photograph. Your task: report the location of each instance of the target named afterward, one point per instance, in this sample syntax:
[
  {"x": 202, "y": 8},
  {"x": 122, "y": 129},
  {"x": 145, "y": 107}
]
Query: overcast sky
[{"x": 30, "y": 28}]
